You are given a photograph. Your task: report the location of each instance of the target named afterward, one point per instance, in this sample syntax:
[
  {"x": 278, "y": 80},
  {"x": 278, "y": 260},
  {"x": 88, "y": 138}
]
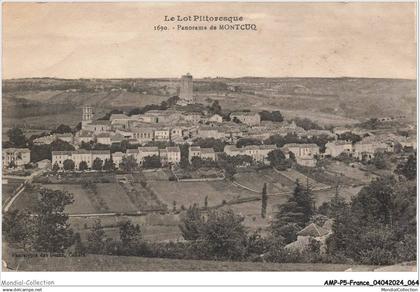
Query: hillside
[{"x": 327, "y": 100}]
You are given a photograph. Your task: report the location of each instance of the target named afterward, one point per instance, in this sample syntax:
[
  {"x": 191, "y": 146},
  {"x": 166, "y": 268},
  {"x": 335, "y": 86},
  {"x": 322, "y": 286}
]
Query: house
[
  {"x": 191, "y": 117},
  {"x": 258, "y": 153},
  {"x": 117, "y": 138},
  {"x": 216, "y": 118},
  {"x": 313, "y": 233},
  {"x": 147, "y": 151},
  {"x": 104, "y": 138},
  {"x": 335, "y": 148},
  {"x": 208, "y": 154},
  {"x": 409, "y": 142},
  {"x": 117, "y": 158},
  {"x": 162, "y": 134},
  {"x": 203, "y": 153},
  {"x": 367, "y": 148},
  {"x": 78, "y": 156},
  {"x": 45, "y": 140},
  {"x": 99, "y": 126},
  {"x": 194, "y": 151},
  {"x": 16, "y": 157},
  {"x": 101, "y": 154},
  {"x": 143, "y": 135},
  {"x": 300, "y": 150},
  {"x": 84, "y": 136},
  {"x": 305, "y": 154},
  {"x": 170, "y": 155},
  {"x": 120, "y": 120},
  {"x": 247, "y": 118},
  {"x": 66, "y": 137},
  {"x": 209, "y": 132}
]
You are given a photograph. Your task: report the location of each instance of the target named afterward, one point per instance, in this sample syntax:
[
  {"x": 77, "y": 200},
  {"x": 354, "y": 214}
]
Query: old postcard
[{"x": 209, "y": 137}]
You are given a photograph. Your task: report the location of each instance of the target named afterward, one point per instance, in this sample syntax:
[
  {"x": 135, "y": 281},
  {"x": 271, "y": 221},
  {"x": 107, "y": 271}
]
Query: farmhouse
[
  {"x": 16, "y": 157},
  {"x": 247, "y": 118}
]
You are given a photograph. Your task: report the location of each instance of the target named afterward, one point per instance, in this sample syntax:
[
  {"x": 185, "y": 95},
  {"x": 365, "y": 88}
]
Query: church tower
[{"x": 87, "y": 116}]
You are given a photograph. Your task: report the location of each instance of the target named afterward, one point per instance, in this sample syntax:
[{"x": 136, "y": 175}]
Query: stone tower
[
  {"x": 87, "y": 116},
  {"x": 186, "y": 89}
]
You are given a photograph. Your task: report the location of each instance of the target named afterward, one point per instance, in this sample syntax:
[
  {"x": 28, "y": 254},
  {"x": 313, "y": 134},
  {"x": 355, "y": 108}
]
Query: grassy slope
[{"x": 121, "y": 263}]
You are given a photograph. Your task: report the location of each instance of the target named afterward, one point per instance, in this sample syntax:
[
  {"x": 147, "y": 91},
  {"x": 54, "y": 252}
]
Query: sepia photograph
[{"x": 204, "y": 136}]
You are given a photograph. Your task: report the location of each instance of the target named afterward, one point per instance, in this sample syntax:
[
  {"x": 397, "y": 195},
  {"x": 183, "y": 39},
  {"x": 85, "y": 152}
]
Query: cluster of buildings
[
  {"x": 368, "y": 146},
  {"x": 180, "y": 127}
]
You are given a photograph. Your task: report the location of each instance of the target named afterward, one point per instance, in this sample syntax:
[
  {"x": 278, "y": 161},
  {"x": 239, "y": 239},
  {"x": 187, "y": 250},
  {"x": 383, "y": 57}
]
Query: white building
[
  {"x": 16, "y": 156},
  {"x": 258, "y": 153},
  {"x": 78, "y": 156},
  {"x": 170, "y": 155},
  {"x": 335, "y": 148},
  {"x": 203, "y": 153}
]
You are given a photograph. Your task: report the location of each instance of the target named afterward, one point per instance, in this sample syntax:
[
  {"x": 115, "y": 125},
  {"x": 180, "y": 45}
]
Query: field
[
  {"x": 109, "y": 263},
  {"x": 351, "y": 172},
  {"x": 189, "y": 193}
]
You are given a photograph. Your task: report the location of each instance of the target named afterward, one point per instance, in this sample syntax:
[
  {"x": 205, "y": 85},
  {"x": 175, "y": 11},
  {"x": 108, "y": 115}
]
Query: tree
[
  {"x": 83, "y": 166},
  {"x": 379, "y": 225},
  {"x": 174, "y": 206},
  {"x": 408, "y": 168},
  {"x": 247, "y": 141},
  {"x": 53, "y": 229},
  {"x": 215, "y": 108},
  {"x": 96, "y": 238},
  {"x": 68, "y": 164},
  {"x": 192, "y": 223},
  {"x": 128, "y": 164},
  {"x": 349, "y": 136},
  {"x": 17, "y": 227},
  {"x": 109, "y": 164},
  {"x": 152, "y": 162},
  {"x": 61, "y": 129},
  {"x": 224, "y": 235},
  {"x": 97, "y": 164},
  {"x": 306, "y": 124},
  {"x": 294, "y": 214},
  {"x": 60, "y": 145},
  {"x": 274, "y": 116},
  {"x": 264, "y": 199},
  {"x": 17, "y": 138},
  {"x": 130, "y": 234},
  {"x": 55, "y": 167},
  {"x": 184, "y": 163},
  {"x": 278, "y": 160},
  {"x": 379, "y": 160}
]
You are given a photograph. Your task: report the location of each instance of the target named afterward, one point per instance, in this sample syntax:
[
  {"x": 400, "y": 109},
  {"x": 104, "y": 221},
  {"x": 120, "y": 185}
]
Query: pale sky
[{"x": 117, "y": 40}]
